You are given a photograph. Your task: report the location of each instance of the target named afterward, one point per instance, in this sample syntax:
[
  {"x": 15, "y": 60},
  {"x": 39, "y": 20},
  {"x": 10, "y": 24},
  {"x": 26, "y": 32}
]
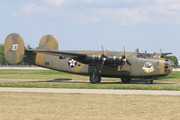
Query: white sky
[{"x": 149, "y": 25}]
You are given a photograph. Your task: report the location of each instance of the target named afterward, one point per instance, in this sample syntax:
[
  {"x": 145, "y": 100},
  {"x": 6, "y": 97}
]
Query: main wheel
[
  {"x": 95, "y": 79},
  {"x": 149, "y": 81},
  {"x": 125, "y": 80}
]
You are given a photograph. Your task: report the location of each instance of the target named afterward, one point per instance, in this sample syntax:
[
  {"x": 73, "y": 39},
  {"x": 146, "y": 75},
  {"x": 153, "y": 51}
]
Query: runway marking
[{"x": 89, "y": 91}]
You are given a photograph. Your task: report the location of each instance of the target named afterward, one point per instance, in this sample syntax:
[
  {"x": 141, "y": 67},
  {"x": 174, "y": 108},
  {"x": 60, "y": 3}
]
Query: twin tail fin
[{"x": 14, "y": 46}]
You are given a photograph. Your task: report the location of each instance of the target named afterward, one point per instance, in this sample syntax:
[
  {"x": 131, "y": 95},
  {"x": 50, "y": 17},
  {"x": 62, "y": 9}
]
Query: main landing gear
[
  {"x": 125, "y": 80},
  {"x": 95, "y": 78}
]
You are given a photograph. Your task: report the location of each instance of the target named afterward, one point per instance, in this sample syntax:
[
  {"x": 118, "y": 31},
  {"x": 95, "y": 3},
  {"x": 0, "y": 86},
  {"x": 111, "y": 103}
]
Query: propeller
[
  {"x": 161, "y": 53},
  {"x": 128, "y": 62},
  {"x": 103, "y": 57},
  {"x": 161, "y": 50},
  {"x": 102, "y": 50},
  {"x": 124, "y": 58}
]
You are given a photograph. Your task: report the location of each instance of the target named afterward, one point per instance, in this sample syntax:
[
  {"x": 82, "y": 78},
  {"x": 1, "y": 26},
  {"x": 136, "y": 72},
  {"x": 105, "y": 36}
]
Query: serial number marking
[{"x": 14, "y": 46}]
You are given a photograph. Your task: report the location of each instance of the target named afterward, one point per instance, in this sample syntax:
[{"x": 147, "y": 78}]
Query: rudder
[{"x": 14, "y": 48}]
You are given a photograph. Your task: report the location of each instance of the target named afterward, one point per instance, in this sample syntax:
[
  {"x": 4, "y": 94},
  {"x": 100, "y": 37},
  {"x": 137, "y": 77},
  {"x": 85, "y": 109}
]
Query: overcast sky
[{"x": 149, "y": 25}]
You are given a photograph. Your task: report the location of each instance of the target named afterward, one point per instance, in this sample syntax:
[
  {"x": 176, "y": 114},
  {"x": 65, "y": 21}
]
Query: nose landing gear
[{"x": 148, "y": 80}]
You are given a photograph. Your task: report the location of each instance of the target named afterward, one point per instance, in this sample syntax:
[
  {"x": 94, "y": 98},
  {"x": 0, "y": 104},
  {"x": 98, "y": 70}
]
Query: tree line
[{"x": 3, "y": 60}]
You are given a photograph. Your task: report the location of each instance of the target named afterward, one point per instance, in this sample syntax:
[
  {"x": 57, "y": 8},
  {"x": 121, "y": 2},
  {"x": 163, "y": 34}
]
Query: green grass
[
  {"x": 90, "y": 86},
  {"x": 173, "y": 77},
  {"x": 43, "y": 75},
  {"x": 51, "y": 75},
  {"x": 32, "y": 74},
  {"x": 54, "y": 75}
]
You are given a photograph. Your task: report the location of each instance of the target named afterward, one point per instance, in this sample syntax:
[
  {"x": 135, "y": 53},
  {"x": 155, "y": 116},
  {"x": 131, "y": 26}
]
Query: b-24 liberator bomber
[{"x": 96, "y": 64}]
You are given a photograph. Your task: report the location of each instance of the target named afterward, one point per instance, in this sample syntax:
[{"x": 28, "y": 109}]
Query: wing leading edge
[
  {"x": 166, "y": 53},
  {"x": 60, "y": 53}
]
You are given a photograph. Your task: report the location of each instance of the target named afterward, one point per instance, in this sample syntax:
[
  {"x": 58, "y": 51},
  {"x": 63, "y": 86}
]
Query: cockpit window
[
  {"x": 148, "y": 55},
  {"x": 143, "y": 55}
]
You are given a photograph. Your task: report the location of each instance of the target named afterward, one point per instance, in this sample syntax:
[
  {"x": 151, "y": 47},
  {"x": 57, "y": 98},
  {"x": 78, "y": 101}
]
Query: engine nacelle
[{"x": 110, "y": 59}]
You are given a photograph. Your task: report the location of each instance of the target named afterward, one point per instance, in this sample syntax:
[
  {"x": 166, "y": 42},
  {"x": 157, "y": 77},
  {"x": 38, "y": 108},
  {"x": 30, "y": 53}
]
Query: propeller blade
[
  {"x": 102, "y": 49},
  {"x": 128, "y": 62},
  {"x": 104, "y": 59},
  {"x": 125, "y": 60}
]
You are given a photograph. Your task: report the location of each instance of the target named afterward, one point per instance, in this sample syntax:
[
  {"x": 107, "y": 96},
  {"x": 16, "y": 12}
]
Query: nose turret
[{"x": 169, "y": 64}]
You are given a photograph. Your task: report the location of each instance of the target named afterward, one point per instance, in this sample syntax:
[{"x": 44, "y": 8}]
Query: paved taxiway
[{"x": 89, "y": 91}]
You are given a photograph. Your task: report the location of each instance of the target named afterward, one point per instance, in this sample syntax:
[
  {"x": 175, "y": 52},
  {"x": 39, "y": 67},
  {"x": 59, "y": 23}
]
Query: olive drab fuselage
[
  {"x": 138, "y": 69},
  {"x": 91, "y": 63}
]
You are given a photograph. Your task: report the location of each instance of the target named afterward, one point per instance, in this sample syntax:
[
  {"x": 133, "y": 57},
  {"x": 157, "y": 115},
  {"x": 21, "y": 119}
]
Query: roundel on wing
[{"x": 72, "y": 63}]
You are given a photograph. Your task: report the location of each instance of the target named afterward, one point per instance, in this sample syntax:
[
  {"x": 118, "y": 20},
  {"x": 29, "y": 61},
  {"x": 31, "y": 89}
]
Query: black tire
[
  {"x": 125, "y": 80},
  {"x": 149, "y": 81},
  {"x": 95, "y": 80}
]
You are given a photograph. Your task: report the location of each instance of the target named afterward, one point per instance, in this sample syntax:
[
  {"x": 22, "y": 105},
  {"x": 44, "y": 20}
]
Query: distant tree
[
  {"x": 37, "y": 48},
  {"x": 173, "y": 58},
  {"x": 2, "y": 56},
  {"x": 29, "y": 47}
]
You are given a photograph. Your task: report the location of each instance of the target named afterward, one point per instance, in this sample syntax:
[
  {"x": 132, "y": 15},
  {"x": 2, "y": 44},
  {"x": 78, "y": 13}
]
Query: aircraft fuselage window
[
  {"x": 60, "y": 57},
  {"x": 47, "y": 63}
]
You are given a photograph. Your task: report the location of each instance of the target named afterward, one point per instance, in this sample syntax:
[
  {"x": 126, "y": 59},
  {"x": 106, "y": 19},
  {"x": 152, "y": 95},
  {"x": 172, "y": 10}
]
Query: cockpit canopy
[
  {"x": 148, "y": 55},
  {"x": 144, "y": 55}
]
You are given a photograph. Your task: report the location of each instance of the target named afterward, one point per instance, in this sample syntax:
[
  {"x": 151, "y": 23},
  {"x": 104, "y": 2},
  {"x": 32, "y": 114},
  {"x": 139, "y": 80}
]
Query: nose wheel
[{"x": 149, "y": 81}]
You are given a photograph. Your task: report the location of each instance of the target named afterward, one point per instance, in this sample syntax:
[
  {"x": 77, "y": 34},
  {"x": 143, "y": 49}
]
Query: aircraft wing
[
  {"x": 166, "y": 53},
  {"x": 60, "y": 53}
]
